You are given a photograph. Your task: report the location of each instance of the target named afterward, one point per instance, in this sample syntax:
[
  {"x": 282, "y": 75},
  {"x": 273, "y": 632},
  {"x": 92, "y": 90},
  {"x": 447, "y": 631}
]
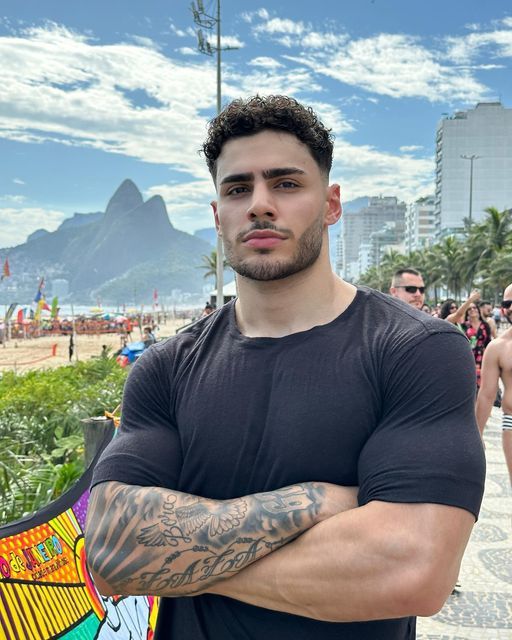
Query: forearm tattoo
[{"x": 161, "y": 542}]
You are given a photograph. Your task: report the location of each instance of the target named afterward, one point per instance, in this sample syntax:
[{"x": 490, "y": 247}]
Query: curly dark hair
[{"x": 245, "y": 117}]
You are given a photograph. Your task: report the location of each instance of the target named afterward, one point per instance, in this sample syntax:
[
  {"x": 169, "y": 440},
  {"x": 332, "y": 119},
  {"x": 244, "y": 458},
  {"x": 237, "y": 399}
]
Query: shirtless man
[{"x": 497, "y": 363}]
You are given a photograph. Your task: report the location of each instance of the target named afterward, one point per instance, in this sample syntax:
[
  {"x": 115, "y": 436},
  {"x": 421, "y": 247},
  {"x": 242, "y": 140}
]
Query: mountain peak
[{"x": 126, "y": 198}]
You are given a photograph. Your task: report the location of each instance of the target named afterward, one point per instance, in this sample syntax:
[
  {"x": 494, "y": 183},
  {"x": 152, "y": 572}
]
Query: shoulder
[
  {"x": 396, "y": 318},
  {"x": 178, "y": 347},
  {"x": 499, "y": 345}
]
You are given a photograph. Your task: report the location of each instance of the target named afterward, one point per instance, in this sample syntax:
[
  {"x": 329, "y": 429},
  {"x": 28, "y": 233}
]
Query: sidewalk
[{"x": 482, "y": 607}]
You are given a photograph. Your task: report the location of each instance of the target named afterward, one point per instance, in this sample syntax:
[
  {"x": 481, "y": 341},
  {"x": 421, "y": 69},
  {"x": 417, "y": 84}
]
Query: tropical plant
[
  {"x": 41, "y": 438},
  {"x": 209, "y": 264}
]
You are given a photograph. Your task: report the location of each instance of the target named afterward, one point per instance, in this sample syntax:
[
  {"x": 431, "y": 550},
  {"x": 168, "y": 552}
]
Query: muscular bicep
[
  {"x": 426, "y": 447},
  {"x": 490, "y": 372},
  {"x": 146, "y": 450}
]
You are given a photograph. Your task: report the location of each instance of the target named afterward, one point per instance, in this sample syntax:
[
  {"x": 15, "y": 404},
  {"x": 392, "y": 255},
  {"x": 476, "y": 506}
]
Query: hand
[
  {"x": 337, "y": 499},
  {"x": 474, "y": 296}
]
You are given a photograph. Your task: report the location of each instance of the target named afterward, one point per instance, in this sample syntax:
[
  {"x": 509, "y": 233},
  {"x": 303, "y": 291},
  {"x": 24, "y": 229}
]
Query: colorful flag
[
  {"x": 55, "y": 308},
  {"x": 6, "y": 272},
  {"x": 10, "y": 311},
  {"x": 39, "y": 293},
  {"x": 20, "y": 316},
  {"x": 155, "y": 298}
]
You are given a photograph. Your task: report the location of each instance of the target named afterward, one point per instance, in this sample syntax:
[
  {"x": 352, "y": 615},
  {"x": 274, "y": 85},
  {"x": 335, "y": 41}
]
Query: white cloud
[
  {"x": 364, "y": 170},
  {"x": 177, "y": 32},
  {"x": 316, "y": 40},
  {"x": 396, "y": 66},
  {"x": 410, "y": 147},
  {"x": 269, "y": 82},
  {"x": 144, "y": 42},
  {"x": 18, "y": 181},
  {"x": 248, "y": 16},
  {"x": 225, "y": 41},
  {"x": 265, "y": 62},
  {"x": 13, "y": 199},
  {"x": 18, "y": 223},
  {"x": 188, "y": 51},
  {"x": 332, "y": 117},
  {"x": 465, "y": 49},
  {"x": 59, "y": 86},
  {"x": 281, "y": 26}
]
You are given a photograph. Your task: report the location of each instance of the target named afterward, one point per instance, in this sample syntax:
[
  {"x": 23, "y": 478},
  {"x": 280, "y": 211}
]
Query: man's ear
[
  {"x": 333, "y": 204},
  {"x": 213, "y": 205}
]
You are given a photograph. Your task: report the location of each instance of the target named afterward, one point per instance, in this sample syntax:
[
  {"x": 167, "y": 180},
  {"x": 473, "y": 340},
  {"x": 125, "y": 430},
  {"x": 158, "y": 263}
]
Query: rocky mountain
[
  {"x": 132, "y": 245},
  {"x": 209, "y": 234}
]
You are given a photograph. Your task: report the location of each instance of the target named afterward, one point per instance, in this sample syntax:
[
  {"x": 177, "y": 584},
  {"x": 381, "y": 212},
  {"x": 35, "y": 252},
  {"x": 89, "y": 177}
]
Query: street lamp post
[
  {"x": 471, "y": 159},
  {"x": 206, "y": 21}
]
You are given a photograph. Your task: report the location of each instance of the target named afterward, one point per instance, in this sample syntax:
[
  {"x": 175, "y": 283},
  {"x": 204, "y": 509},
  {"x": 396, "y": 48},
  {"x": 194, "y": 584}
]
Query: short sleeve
[
  {"x": 426, "y": 447},
  {"x": 146, "y": 450}
]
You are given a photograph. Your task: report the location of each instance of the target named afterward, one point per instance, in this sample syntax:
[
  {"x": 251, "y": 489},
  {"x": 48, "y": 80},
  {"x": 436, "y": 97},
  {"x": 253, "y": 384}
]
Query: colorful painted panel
[{"x": 46, "y": 590}]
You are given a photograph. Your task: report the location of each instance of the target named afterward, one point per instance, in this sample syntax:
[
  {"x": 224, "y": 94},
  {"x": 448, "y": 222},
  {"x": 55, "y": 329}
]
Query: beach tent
[
  {"x": 130, "y": 353},
  {"x": 229, "y": 292}
]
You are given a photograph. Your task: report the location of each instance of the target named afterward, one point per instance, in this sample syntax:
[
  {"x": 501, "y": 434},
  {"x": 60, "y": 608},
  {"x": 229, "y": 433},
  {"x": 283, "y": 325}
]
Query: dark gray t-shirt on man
[{"x": 382, "y": 397}]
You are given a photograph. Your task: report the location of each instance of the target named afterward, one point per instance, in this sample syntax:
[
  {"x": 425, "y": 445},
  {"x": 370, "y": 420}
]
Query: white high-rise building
[
  {"x": 419, "y": 224},
  {"x": 473, "y": 165},
  {"x": 358, "y": 227}
]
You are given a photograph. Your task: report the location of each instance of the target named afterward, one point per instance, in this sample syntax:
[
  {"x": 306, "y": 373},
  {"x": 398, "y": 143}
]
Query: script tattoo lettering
[{"x": 130, "y": 528}]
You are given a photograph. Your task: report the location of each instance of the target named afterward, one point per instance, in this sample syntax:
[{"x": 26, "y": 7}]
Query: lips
[{"x": 263, "y": 238}]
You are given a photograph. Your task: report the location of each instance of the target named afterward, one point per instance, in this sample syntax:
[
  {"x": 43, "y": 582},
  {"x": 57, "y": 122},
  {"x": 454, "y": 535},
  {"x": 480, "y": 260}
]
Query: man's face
[
  {"x": 409, "y": 280},
  {"x": 507, "y": 295},
  {"x": 273, "y": 205},
  {"x": 485, "y": 310}
]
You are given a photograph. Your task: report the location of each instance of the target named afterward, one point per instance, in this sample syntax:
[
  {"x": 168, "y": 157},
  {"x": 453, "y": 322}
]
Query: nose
[{"x": 262, "y": 203}]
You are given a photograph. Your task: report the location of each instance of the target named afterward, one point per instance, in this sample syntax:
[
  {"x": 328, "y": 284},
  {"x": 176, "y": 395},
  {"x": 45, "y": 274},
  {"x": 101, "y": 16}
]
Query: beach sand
[{"x": 36, "y": 353}]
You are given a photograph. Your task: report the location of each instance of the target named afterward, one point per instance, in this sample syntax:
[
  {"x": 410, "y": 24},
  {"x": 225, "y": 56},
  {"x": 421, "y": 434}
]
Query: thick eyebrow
[{"x": 268, "y": 174}]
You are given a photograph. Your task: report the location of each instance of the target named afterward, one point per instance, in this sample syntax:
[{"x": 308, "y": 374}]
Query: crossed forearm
[{"x": 148, "y": 540}]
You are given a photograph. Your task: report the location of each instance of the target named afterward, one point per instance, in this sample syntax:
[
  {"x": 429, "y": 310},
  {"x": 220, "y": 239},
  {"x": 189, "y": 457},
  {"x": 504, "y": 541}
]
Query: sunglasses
[
  {"x": 506, "y": 304},
  {"x": 411, "y": 289}
]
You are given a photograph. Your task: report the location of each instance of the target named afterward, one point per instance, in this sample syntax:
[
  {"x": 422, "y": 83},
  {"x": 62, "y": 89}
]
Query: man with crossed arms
[{"x": 293, "y": 465}]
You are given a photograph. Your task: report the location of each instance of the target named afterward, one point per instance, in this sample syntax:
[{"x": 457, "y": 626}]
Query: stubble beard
[{"x": 306, "y": 254}]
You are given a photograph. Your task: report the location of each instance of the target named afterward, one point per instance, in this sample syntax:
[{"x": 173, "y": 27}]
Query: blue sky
[{"x": 95, "y": 92}]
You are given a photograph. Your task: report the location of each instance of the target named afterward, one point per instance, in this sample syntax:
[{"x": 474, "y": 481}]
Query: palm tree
[
  {"x": 500, "y": 276},
  {"x": 209, "y": 264},
  {"x": 451, "y": 259},
  {"x": 486, "y": 241}
]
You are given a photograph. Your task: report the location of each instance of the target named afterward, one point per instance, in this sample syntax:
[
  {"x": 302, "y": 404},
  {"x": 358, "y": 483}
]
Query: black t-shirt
[{"x": 382, "y": 397}]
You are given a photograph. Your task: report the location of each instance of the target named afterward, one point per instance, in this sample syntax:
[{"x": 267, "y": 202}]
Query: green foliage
[
  {"x": 41, "y": 437},
  {"x": 209, "y": 265}
]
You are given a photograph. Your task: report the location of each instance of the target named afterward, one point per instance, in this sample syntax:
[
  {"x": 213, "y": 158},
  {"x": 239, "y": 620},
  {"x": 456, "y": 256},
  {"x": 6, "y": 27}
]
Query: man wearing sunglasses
[
  {"x": 408, "y": 285},
  {"x": 496, "y": 364}
]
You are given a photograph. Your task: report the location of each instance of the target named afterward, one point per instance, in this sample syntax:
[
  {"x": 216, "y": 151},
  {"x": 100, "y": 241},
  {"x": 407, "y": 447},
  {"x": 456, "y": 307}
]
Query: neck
[{"x": 278, "y": 308}]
